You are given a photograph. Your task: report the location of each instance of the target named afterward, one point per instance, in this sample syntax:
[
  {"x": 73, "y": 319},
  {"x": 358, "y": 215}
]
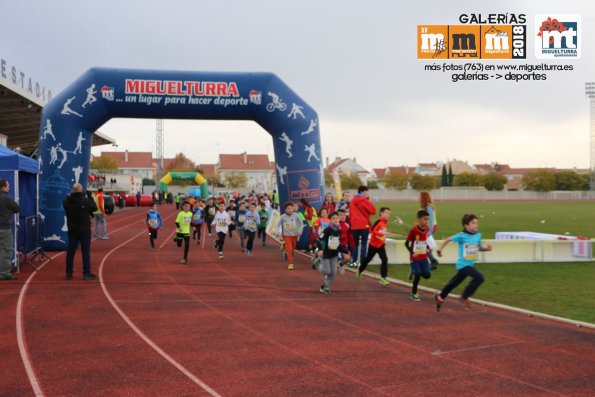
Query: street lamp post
[{"x": 590, "y": 92}]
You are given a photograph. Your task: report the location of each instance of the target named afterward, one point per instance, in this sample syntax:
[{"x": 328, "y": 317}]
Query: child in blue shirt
[
  {"x": 154, "y": 223},
  {"x": 250, "y": 226},
  {"x": 469, "y": 241}
]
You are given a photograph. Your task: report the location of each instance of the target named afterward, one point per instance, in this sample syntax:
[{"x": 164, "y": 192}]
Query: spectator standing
[
  {"x": 8, "y": 207},
  {"x": 79, "y": 209},
  {"x": 100, "y": 215}
]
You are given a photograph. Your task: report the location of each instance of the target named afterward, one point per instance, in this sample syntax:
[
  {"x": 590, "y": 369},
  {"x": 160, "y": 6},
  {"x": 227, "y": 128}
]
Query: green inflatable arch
[{"x": 185, "y": 176}]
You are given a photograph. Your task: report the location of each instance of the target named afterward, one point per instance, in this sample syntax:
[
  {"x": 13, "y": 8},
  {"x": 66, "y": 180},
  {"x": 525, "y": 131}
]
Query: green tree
[
  {"x": 328, "y": 179},
  {"x": 468, "y": 179},
  {"x": 422, "y": 182},
  {"x": 450, "y": 175},
  {"x": 148, "y": 182},
  {"x": 568, "y": 180},
  {"x": 541, "y": 180},
  {"x": 394, "y": 180},
  {"x": 444, "y": 178},
  {"x": 104, "y": 164},
  {"x": 350, "y": 181},
  {"x": 236, "y": 179},
  {"x": 372, "y": 185},
  {"x": 585, "y": 182},
  {"x": 214, "y": 180},
  {"x": 494, "y": 181}
]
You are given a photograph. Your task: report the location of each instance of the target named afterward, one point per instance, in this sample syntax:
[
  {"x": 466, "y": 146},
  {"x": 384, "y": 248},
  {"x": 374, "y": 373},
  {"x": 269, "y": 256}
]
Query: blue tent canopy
[
  {"x": 21, "y": 171},
  {"x": 12, "y": 161}
]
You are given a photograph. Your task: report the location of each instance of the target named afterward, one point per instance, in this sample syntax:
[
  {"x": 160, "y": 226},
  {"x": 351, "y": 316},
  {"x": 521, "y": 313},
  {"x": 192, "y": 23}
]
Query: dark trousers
[
  {"x": 462, "y": 274},
  {"x": 177, "y": 205},
  {"x": 250, "y": 242},
  {"x": 360, "y": 237},
  {"x": 220, "y": 241},
  {"x": 209, "y": 220},
  {"x": 372, "y": 251},
  {"x": 152, "y": 237},
  {"x": 186, "y": 238},
  {"x": 420, "y": 269},
  {"x": 196, "y": 232},
  {"x": 262, "y": 232},
  {"x": 73, "y": 243},
  {"x": 232, "y": 227}
]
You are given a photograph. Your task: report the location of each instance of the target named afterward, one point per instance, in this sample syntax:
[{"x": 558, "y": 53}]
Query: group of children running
[{"x": 334, "y": 241}]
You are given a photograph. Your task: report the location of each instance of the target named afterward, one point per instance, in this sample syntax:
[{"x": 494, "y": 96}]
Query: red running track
[{"x": 246, "y": 326}]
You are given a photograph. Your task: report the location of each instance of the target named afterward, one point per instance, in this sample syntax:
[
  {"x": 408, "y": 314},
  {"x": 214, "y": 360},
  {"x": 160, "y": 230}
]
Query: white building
[
  {"x": 348, "y": 166},
  {"x": 259, "y": 171}
]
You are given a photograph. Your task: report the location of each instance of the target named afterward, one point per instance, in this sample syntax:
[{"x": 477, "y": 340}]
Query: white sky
[{"x": 354, "y": 62}]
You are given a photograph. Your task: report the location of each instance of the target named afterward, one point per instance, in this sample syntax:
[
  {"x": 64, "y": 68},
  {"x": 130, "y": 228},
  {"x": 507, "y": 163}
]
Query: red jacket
[
  {"x": 346, "y": 236},
  {"x": 360, "y": 210},
  {"x": 330, "y": 207}
]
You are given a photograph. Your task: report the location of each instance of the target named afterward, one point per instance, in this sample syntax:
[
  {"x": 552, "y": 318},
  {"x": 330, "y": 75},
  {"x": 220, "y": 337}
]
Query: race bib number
[
  {"x": 187, "y": 220},
  {"x": 196, "y": 217},
  {"x": 250, "y": 223},
  {"x": 420, "y": 247},
  {"x": 288, "y": 225},
  {"x": 232, "y": 214},
  {"x": 333, "y": 242},
  {"x": 221, "y": 223},
  {"x": 470, "y": 251},
  {"x": 212, "y": 211},
  {"x": 153, "y": 222},
  {"x": 242, "y": 218}
]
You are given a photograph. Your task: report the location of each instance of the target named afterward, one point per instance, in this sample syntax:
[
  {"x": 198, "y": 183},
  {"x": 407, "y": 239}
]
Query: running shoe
[
  {"x": 89, "y": 276},
  {"x": 220, "y": 255},
  {"x": 153, "y": 248},
  {"x": 358, "y": 274},
  {"x": 243, "y": 249},
  {"x": 325, "y": 290},
  {"x": 68, "y": 276},
  {"x": 184, "y": 261},
  {"x": 249, "y": 253},
  {"x": 415, "y": 297},
  {"x": 290, "y": 266},
  {"x": 384, "y": 281},
  {"x": 439, "y": 301}
]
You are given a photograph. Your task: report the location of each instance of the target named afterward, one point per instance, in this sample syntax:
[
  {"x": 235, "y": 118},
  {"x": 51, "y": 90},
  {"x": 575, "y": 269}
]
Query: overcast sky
[{"x": 355, "y": 62}]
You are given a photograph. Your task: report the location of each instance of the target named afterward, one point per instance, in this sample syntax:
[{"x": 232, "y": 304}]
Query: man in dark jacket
[
  {"x": 79, "y": 209},
  {"x": 8, "y": 207}
]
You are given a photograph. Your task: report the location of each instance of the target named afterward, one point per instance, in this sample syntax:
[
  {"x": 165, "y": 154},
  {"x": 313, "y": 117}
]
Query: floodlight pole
[
  {"x": 159, "y": 149},
  {"x": 590, "y": 92}
]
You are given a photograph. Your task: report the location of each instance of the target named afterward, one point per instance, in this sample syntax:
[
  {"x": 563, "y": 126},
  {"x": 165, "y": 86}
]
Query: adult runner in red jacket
[{"x": 360, "y": 210}]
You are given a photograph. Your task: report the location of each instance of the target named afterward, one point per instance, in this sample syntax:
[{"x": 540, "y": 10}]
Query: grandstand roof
[{"x": 20, "y": 114}]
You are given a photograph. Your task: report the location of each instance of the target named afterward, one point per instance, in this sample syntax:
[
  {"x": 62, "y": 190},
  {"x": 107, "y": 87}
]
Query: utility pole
[{"x": 159, "y": 150}]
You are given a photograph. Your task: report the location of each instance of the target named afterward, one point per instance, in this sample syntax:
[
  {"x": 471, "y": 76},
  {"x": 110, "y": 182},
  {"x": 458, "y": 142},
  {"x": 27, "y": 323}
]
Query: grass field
[
  {"x": 575, "y": 218},
  {"x": 561, "y": 289}
]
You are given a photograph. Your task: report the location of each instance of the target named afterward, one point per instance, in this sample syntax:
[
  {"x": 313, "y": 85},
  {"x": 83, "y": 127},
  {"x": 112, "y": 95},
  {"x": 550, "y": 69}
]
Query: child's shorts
[
  {"x": 420, "y": 267},
  {"x": 344, "y": 249}
]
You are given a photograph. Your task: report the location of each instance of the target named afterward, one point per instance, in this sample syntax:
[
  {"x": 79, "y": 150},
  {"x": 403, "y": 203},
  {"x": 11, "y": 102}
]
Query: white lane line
[
  {"x": 441, "y": 352},
  {"x": 20, "y": 327},
  {"x": 140, "y": 333}
]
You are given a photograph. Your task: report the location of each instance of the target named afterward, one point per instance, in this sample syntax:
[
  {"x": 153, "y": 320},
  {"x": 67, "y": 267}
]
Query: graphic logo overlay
[
  {"x": 432, "y": 42},
  {"x": 558, "y": 36},
  {"x": 107, "y": 93},
  {"x": 496, "y": 42},
  {"x": 307, "y": 182},
  {"x": 465, "y": 41},
  {"x": 255, "y": 97}
]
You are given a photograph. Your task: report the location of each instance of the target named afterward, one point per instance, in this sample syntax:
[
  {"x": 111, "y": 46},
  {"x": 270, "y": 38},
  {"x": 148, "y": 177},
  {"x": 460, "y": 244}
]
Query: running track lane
[{"x": 247, "y": 326}]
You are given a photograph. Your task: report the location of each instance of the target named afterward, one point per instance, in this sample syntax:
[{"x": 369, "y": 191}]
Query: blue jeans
[
  {"x": 462, "y": 274},
  {"x": 100, "y": 219},
  {"x": 420, "y": 269},
  {"x": 73, "y": 243},
  {"x": 360, "y": 237}
]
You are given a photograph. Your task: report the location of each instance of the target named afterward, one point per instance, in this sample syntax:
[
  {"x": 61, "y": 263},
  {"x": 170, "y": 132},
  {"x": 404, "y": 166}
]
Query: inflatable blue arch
[{"x": 69, "y": 120}]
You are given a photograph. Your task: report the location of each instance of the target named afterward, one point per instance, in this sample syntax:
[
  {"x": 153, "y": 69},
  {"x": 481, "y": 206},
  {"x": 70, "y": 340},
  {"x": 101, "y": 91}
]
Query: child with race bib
[
  {"x": 291, "y": 230},
  {"x": 262, "y": 226},
  {"x": 250, "y": 226},
  {"x": 240, "y": 221},
  {"x": 328, "y": 249},
  {"x": 154, "y": 223},
  {"x": 183, "y": 221},
  {"x": 417, "y": 245},
  {"x": 221, "y": 221},
  {"x": 469, "y": 241},
  {"x": 210, "y": 210}
]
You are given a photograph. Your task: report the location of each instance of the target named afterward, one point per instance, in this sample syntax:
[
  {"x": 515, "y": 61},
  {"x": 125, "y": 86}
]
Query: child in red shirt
[
  {"x": 417, "y": 245},
  {"x": 347, "y": 242},
  {"x": 378, "y": 234}
]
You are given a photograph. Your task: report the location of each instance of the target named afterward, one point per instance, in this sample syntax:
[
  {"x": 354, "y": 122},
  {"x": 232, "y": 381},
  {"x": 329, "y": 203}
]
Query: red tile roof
[
  {"x": 244, "y": 162},
  {"x": 135, "y": 159},
  {"x": 379, "y": 172},
  {"x": 428, "y": 165},
  {"x": 333, "y": 166},
  {"x": 208, "y": 169},
  {"x": 406, "y": 170}
]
